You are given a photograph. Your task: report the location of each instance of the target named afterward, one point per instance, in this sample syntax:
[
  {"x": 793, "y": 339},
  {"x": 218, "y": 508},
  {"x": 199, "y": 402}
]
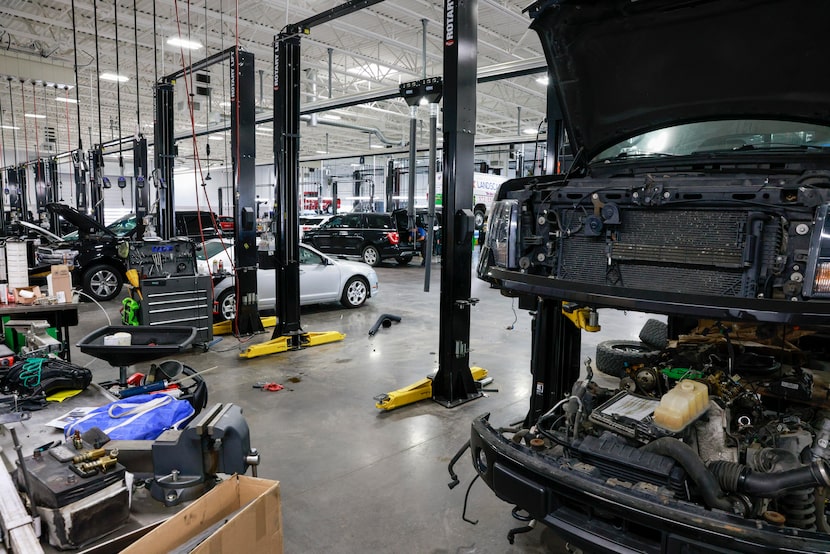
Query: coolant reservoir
[{"x": 682, "y": 405}]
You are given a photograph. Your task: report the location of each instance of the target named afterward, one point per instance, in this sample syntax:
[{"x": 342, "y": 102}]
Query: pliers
[{"x": 269, "y": 386}]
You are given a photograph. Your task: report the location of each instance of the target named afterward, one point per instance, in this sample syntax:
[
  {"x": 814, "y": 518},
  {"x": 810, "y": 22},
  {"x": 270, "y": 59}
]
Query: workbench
[
  {"x": 59, "y": 316},
  {"x": 34, "y": 432}
]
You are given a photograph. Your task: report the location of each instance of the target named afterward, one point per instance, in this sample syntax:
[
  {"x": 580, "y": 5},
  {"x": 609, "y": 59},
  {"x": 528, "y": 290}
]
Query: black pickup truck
[{"x": 700, "y": 190}]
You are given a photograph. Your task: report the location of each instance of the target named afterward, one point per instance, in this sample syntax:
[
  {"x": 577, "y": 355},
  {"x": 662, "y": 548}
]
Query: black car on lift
[
  {"x": 370, "y": 235},
  {"x": 92, "y": 250},
  {"x": 700, "y": 189}
]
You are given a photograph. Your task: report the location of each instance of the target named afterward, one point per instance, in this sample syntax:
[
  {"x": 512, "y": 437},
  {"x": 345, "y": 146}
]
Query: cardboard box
[
  {"x": 61, "y": 283},
  {"x": 31, "y": 300},
  {"x": 247, "y": 510}
]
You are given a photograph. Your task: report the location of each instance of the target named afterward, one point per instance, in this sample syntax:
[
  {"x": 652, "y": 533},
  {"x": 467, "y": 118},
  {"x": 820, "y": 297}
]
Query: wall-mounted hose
[{"x": 683, "y": 454}]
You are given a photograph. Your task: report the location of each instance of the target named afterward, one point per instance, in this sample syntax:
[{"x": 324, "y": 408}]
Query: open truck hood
[
  {"x": 625, "y": 67},
  {"x": 85, "y": 224}
]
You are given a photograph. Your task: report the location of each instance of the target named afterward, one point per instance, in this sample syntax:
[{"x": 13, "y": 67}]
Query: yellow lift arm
[
  {"x": 582, "y": 317},
  {"x": 281, "y": 344},
  {"x": 419, "y": 390},
  {"x": 226, "y": 327}
]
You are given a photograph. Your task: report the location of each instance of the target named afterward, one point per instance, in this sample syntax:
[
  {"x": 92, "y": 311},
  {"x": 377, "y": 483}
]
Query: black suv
[
  {"x": 700, "y": 189},
  {"x": 92, "y": 250},
  {"x": 372, "y": 236}
]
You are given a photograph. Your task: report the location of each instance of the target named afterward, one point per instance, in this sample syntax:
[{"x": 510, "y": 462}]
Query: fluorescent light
[
  {"x": 321, "y": 152},
  {"x": 65, "y": 100},
  {"x": 372, "y": 70},
  {"x": 216, "y": 137},
  {"x": 224, "y": 104},
  {"x": 10, "y": 127},
  {"x": 34, "y": 116},
  {"x": 375, "y": 146},
  {"x": 331, "y": 117},
  {"x": 529, "y": 131},
  {"x": 544, "y": 80},
  {"x": 110, "y": 76},
  {"x": 184, "y": 43}
]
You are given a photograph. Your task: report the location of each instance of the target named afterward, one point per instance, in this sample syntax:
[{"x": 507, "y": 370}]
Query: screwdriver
[{"x": 159, "y": 385}]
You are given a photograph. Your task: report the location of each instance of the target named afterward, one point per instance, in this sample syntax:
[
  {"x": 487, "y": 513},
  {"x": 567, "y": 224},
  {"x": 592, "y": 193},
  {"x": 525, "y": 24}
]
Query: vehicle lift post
[
  {"x": 97, "y": 182},
  {"x": 17, "y": 193},
  {"x": 285, "y": 223},
  {"x": 39, "y": 174},
  {"x": 243, "y": 147},
  {"x": 53, "y": 185},
  {"x": 554, "y": 359},
  {"x": 165, "y": 155},
  {"x": 243, "y": 140},
  {"x": 288, "y": 333},
  {"x": 141, "y": 188},
  {"x": 455, "y": 382}
]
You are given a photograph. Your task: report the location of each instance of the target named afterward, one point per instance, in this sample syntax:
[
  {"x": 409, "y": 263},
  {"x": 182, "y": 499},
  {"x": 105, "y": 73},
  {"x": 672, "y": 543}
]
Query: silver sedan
[{"x": 322, "y": 279}]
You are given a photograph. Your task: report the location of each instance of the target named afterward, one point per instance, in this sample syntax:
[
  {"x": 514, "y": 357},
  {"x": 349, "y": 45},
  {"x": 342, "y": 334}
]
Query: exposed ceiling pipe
[
  {"x": 424, "y": 46},
  {"x": 371, "y": 130},
  {"x": 329, "y": 51}
]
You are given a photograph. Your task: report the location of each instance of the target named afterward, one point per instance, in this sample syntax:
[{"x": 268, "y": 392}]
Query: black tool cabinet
[{"x": 179, "y": 301}]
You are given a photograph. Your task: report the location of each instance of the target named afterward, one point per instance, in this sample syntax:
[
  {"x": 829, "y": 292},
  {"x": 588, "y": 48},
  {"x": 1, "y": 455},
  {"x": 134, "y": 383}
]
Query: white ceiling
[{"x": 372, "y": 51}]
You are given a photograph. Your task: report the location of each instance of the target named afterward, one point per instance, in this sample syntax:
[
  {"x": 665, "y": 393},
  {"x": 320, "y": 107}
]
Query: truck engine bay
[{"x": 726, "y": 422}]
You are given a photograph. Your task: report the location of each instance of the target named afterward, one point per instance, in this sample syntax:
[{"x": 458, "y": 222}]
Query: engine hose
[
  {"x": 384, "y": 320},
  {"x": 704, "y": 479},
  {"x": 451, "y": 467},
  {"x": 735, "y": 477}
]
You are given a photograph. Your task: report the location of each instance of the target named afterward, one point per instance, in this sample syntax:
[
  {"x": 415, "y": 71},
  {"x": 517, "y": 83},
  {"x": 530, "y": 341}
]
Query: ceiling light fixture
[
  {"x": 184, "y": 43},
  {"x": 529, "y": 131},
  {"x": 65, "y": 100},
  {"x": 216, "y": 137},
  {"x": 544, "y": 80},
  {"x": 372, "y": 70},
  {"x": 34, "y": 116},
  {"x": 115, "y": 77},
  {"x": 321, "y": 151},
  {"x": 10, "y": 127}
]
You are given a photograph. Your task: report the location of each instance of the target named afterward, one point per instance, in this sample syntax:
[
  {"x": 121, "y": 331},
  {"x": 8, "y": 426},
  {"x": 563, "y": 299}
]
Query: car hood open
[
  {"x": 85, "y": 224},
  {"x": 625, "y": 67}
]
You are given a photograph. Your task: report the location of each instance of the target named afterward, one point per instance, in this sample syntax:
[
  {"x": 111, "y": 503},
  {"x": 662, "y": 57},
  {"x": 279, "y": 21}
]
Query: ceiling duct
[
  {"x": 371, "y": 130},
  {"x": 26, "y": 69}
]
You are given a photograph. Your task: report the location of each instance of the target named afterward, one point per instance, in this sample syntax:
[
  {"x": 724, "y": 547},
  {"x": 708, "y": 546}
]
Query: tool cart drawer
[{"x": 179, "y": 301}]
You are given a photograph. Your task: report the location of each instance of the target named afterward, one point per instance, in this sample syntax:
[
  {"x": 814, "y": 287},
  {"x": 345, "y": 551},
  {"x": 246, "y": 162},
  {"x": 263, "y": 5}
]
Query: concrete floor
[{"x": 354, "y": 478}]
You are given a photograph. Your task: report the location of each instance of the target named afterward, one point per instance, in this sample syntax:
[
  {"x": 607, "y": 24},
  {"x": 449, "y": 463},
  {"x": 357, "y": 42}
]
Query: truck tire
[
  {"x": 613, "y": 356},
  {"x": 655, "y": 333}
]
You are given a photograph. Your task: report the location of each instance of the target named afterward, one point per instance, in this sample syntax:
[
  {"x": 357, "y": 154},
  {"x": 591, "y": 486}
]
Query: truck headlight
[
  {"x": 817, "y": 273},
  {"x": 503, "y": 234}
]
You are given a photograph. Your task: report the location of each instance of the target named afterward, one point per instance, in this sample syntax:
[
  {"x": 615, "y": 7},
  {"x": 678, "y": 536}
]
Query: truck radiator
[{"x": 698, "y": 252}]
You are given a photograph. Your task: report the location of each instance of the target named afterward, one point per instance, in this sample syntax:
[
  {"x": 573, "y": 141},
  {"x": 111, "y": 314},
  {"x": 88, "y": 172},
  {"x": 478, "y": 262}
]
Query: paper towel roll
[{"x": 118, "y": 339}]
